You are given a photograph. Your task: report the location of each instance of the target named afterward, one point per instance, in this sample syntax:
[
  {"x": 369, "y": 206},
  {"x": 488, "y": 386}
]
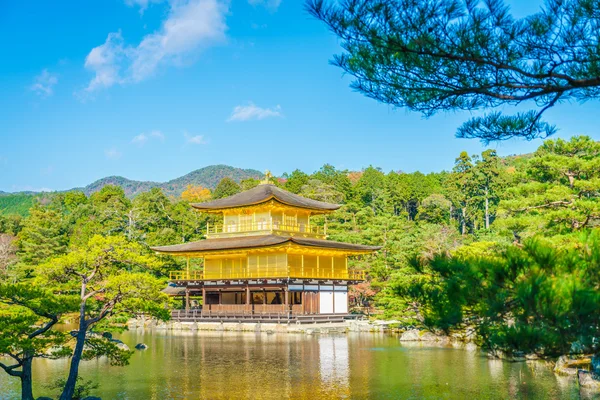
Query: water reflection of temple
[{"x": 286, "y": 366}]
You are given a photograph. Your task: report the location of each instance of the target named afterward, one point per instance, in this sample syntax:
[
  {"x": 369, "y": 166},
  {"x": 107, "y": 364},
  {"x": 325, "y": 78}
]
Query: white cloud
[
  {"x": 105, "y": 61},
  {"x": 142, "y": 138},
  {"x": 112, "y": 153},
  {"x": 271, "y": 5},
  {"x": 142, "y": 4},
  {"x": 197, "y": 139},
  {"x": 139, "y": 139},
  {"x": 252, "y": 111},
  {"x": 190, "y": 26},
  {"x": 157, "y": 134},
  {"x": 44, "y": 83}
]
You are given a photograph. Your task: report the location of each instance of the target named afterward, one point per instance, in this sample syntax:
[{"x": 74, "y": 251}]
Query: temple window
[{"x": 257, "y": 297}]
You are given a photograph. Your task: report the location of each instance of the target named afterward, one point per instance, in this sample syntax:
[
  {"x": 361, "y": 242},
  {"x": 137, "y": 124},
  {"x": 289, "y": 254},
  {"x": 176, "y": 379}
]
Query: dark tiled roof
[
  {"x": 263, "y": 193},
  {"x": 249, "y": 242},
  {"x": 174, "y": 290}
]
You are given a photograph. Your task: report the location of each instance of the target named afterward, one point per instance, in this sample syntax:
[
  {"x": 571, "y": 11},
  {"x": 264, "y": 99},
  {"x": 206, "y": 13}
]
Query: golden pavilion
[{"x": 266, "y": 261}]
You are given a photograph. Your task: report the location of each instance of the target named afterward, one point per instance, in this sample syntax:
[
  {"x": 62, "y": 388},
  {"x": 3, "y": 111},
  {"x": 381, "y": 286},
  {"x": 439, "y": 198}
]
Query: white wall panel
[
  {"x": 341, "y": 302},
  {"x": 326, "y": 302}
]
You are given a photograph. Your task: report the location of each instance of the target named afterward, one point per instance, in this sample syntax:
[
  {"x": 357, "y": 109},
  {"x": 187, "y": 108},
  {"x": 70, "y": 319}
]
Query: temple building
[{"x": 267, "y": 260}]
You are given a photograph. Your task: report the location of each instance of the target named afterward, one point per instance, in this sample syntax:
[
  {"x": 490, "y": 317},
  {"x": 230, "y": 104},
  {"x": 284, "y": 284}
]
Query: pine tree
[
  {"x": 43, "y": 236},
  {"x": 433, "y": 56},
  {"x": 559, "y": 193},
  {"x": 227, "y": 187}
]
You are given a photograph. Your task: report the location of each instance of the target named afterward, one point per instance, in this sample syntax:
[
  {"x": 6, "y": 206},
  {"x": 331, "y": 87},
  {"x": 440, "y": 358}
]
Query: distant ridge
[{"x": 208, "y": 177}]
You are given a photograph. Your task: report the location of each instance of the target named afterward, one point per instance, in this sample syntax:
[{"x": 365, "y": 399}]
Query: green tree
[
  {"x": 370, "y": 189},
  {"x": 11, "y": 224},
  {"x": 110, "y": 276},
  {"x": 249, "y": 183},
  {"x": 534, "y": 299},
  {"x": 559, "y": 192},
  {"x": 462, "y": 188},
  {"x": 43, "y": 236},
  {"x": 295, "y": 181},
  {"x": 488, "y": 174},
  {"x": 27, "y": 316},
  {"x": 442, "y": 55},
  {"x": 435, "y": 209},
  {"x": 150, "y": 213},
  {"x": 227, "y": 187},
  {"x": 328, "y": 174},
  {"x": 319, "y": 190},
  {"x": 108, "y": 214}
]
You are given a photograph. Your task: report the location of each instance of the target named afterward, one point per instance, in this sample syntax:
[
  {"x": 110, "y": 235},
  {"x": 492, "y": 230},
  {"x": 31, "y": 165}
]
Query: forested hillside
[{"x": 18, "y": 203}]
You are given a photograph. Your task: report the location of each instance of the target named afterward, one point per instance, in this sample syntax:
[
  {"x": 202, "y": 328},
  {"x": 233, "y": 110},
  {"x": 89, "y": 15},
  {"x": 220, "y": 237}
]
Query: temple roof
[
  {"x": 173, "y": 290},
  {"x": 250, "y": 242},
  {"x": 264, "y": 193}
]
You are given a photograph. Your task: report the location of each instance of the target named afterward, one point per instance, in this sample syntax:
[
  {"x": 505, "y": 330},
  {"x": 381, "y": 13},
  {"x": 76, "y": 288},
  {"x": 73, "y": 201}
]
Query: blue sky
[{"x": 152, "y": 89}]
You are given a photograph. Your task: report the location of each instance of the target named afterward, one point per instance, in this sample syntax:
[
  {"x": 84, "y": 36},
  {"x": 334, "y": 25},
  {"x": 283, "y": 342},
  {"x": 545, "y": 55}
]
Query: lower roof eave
[{"x": 249, "y": 243}]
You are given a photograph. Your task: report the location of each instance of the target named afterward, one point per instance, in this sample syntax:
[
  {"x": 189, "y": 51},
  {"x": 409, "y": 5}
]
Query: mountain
[
  {"x": 130, "y": 186},
  {"x": 208, "y": 177}
]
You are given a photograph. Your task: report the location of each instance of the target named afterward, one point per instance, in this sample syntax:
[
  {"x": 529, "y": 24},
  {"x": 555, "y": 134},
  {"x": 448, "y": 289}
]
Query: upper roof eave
[{"x": 262, "y": 194}]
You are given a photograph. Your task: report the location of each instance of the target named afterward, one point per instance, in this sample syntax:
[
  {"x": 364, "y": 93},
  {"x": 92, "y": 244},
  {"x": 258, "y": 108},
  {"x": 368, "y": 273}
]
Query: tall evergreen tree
[
  {"x": 489, "y": 177},
  {"x": 227, "y": 187},
  {"x": 43, "y": 236},
  {"x": 462, "y": 189}
]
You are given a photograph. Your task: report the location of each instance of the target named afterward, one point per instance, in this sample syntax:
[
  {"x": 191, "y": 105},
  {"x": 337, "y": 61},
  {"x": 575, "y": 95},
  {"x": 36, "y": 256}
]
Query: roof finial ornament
[{"x": 268, "y": 176}]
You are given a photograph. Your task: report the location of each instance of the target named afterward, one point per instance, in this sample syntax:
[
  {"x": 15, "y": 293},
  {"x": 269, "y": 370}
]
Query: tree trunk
[
  {"x": 69, "y": 388},
  {"x": 130, "y": 224},
  {"x": 487, "y": 210},
  {"x": 26, "y": 380},
  {"x": 464, "y": 221}
]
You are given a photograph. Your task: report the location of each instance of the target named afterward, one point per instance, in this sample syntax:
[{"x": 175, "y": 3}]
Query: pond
[{"x": 225, "y": 365}]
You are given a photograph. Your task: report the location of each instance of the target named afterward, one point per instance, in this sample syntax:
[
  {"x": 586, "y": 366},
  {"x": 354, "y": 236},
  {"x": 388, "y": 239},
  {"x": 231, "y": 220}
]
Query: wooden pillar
[
  {"x": 203, "y": 296},
  {"x": 318, "y": 259},
  {"x": 187, "y": 299},
  {"x": 248, "y": 307},
  {"x": 346, "y": 266},
  {"x": 187, "y": 268},
  {"x": 220, "y": 297},
  {"x": 286, "y": 301},
  {"x": 332, "y": 269}
]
